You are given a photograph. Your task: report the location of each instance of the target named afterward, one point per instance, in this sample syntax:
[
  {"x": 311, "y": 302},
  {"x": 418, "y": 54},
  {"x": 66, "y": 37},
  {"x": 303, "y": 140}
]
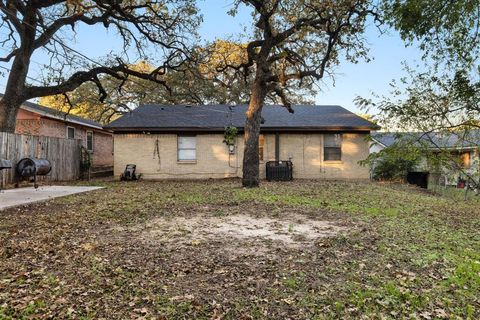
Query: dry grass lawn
[{"x": 213, "y": 250}]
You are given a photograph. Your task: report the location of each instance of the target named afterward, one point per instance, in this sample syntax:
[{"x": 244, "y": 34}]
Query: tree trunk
[
  {"x": 15, "y": 87},
  {"x": 15, "y": 92},
  {"x": 8, "y": 115},
  {"x": 251, "y": 160}
]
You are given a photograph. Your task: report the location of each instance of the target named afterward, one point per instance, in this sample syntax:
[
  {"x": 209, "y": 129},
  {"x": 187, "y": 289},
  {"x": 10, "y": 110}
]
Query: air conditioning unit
[{"x": 279, "y": 170}]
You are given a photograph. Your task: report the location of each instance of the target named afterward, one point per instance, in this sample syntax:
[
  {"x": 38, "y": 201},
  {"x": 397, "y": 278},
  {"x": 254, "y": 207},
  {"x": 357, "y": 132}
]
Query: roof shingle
[
  {"x": 49, "y": 112},
  {"x": 455, "y": 140},
  {"x": 56, "y": 114},
  {"x": 216, "y": 117}
]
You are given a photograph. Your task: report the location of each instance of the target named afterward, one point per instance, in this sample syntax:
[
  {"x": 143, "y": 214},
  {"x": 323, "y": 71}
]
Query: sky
[
  {"x": 387, "y": 50},
  {"x": 351, "y": 80}
]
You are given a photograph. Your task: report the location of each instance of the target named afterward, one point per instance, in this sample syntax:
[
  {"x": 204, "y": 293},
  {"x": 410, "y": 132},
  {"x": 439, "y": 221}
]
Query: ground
[{"x": 214, "y": 250}]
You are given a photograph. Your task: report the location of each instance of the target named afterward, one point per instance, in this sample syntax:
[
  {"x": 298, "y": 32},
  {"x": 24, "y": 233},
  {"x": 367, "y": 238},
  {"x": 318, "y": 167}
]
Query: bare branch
[{"x": 121, "y": 72}]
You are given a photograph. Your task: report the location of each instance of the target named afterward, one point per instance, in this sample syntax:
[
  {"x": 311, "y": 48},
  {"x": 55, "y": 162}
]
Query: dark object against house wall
[
  {"x": 418, "y": 178},
  {"x": 279, "y": 170}
]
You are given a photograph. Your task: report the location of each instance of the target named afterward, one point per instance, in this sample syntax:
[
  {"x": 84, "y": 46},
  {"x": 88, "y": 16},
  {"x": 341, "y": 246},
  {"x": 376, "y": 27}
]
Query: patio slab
[{"x": 17, "y": 197}]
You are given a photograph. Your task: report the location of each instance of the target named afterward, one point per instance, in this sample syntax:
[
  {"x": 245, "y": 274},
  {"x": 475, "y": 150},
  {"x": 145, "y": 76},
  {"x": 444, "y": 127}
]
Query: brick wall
[
  {"x": 102, "y": 142},
  {"x": 102, "y": 149},
  {"x": 30, "y": 124},
  {"x": 58, "y": 129},
  {"x": 214, "y": 161},
  {"x": 28, "y": 127}
]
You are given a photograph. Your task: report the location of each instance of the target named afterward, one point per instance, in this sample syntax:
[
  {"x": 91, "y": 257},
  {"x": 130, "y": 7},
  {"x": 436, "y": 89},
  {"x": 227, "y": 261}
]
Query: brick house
[
  {"x": 323, "y": 142},
  {"x": 37, "y": 120}
]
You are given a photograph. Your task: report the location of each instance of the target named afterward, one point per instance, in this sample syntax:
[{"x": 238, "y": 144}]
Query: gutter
[
  {"x": 216, "y": 129},
  {"x": 378, "y": 142},
  {"x": 440, "y": 148}
]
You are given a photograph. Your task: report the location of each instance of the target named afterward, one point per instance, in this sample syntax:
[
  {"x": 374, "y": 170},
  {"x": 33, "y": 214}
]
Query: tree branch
[{"x": 121, "y": 72}]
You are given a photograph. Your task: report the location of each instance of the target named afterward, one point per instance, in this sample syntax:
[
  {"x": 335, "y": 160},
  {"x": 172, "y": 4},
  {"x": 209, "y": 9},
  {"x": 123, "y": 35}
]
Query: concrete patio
[{"x": 22, "y": 196}]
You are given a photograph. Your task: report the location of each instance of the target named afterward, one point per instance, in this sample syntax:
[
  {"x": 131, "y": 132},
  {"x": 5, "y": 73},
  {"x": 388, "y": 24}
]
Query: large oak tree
[
  {"x": 48, "y": 26},
  {"x": 295, "y": 42},
  {"x": 202, "y": 80}
]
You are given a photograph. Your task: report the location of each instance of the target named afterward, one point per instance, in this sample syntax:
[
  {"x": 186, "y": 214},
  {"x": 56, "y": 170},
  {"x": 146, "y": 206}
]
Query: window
[
  {"x": 261, "y": 143},
  {"x": 90, "y": 141},
  {"x": 465, "y": 159},
  {"x": 70, "y": 133},
  {"x": 187, "y": 148},
  {"x": 332, "y": 147}
]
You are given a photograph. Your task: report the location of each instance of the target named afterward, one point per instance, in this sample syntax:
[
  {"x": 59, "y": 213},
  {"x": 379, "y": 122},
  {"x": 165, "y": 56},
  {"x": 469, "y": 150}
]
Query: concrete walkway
[{"x": 16, "y": 197}]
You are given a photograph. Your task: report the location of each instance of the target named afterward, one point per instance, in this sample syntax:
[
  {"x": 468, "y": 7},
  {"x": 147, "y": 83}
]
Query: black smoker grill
[
  {"x": 29, "y": 168},
  {"x": 279, "y": 170},
  {"x": 130, "y": 173},
  {"x": 5, "y": 164}
]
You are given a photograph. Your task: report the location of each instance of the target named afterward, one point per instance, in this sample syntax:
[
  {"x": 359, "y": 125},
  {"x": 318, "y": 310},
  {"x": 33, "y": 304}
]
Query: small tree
[
  {"x": 295, "y": 42},
  {"x": 47, "y": 26},
  {"x": 443, "y": 100}
]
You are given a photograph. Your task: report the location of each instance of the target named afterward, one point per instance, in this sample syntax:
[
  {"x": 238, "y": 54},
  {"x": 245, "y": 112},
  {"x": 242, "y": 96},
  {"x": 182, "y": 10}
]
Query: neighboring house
[
  {"x": 37, "y": 120},
  {"x": 463, "y": 149},
  {"x": 187, "y": 141}
]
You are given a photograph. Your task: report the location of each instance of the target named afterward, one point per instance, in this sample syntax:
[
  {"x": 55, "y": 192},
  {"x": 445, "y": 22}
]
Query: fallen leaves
[{"x": 83, "y": 259}]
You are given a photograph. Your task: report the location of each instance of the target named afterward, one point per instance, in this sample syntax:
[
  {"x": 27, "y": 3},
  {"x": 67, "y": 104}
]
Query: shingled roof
[
  {"x": 59, "y": 115},
  {"x": 216, "y": 117},
  {"x": 454, "y": 140}
]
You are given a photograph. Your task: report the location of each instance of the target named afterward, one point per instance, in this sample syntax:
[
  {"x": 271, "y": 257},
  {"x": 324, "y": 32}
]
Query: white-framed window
[
  {"x": 186, "y": 148},
  {"x": 332, "y": 147},
  {"x": 90, "y": 141},
  {"x": 70, "y": 133}
]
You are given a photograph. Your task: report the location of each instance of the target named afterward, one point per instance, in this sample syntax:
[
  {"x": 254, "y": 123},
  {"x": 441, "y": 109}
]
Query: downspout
[{"x": 277, "y": 146}]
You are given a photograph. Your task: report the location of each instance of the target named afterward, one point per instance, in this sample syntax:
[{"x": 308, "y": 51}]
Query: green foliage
[
  {"x": 446, "y": 30},
  {"x": 445, "y": 96},
  {"x": 444, "y": 110},
  {"x": 140, "y": 28},
  {"x": 85, "y": 160},
  {"x": 392, "y": 169},
  {"x": 425, "y": 101},
  {"x": 394, "y": 162},
  {"x": 230, "y": 135}
]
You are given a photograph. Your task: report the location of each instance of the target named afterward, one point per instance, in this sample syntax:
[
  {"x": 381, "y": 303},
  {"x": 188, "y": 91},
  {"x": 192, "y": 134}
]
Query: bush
[
  {"x": 393, "y": 162},
  {"x": 393, "y": 169}
]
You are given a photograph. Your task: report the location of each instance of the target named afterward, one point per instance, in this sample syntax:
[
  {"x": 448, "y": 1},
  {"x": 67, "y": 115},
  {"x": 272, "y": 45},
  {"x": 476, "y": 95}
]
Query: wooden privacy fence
[{"x": 63, "y": 154}]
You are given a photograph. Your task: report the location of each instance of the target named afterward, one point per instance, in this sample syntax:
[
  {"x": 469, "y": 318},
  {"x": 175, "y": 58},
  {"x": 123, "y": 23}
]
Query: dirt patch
[
  {"x": 294, "y": 231},
  {"x": 288, "y": 232}
]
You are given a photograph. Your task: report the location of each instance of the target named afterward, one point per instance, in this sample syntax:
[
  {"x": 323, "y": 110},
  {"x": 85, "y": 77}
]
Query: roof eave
[
  {"x": 455, "y": 148},
  {"x": 51, "y": 116},
  {"x": 221, "y": 129},
  {"x": 379, "y": 142}
]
